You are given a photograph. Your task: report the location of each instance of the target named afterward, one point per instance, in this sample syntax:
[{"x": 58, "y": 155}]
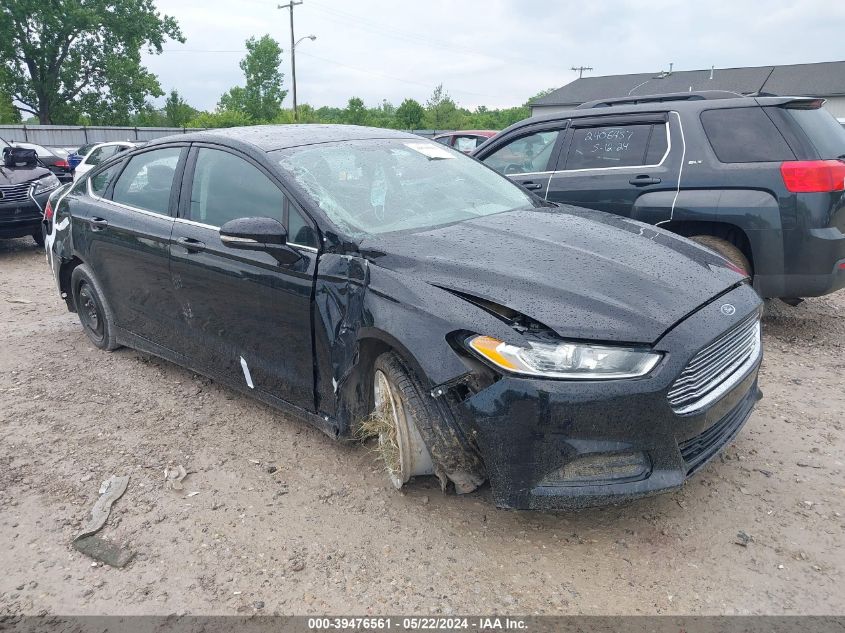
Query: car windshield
[{"x": 385, "y": 185}]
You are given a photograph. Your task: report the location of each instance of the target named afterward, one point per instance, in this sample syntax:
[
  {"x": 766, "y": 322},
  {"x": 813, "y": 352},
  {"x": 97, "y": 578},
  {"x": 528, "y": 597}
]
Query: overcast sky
[{"x": 491, "y": 52}]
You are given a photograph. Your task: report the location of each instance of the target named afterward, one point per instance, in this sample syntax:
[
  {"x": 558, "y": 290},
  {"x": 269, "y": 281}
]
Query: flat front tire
[
  {"x": 398, "y": 399},
  {"x": 92, "y": 308}
]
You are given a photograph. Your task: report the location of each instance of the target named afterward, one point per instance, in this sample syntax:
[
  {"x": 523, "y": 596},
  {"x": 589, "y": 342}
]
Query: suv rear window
[
  {"x": 744, "y": 135},
  {"x": 825, "y": 133}
]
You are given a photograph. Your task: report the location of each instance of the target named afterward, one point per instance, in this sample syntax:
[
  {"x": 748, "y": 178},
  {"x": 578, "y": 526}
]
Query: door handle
[
  {"x": 190, "y": 244},
  {"x": 532, "y": 186},
  {"x": 98, "y": 224},
  {"x": 642, "y": 181}
]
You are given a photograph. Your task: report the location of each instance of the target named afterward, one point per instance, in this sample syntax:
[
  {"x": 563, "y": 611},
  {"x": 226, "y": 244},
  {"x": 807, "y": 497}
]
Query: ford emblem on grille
[{"x": 728, "y": 309}]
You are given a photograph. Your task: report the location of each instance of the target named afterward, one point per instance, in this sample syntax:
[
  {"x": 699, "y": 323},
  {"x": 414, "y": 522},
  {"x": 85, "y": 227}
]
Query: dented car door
[{"x": 244, "y": 316}]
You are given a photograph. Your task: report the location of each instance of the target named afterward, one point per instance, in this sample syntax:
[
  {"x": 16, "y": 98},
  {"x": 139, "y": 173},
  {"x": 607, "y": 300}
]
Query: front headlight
[
  {"x": 43, "y": 185},
  {"x": 579, "y": 361}
]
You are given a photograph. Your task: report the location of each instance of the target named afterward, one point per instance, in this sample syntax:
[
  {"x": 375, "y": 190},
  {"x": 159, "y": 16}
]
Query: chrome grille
[
  {"x": 717, "y": 367},
  {"x": 15, "y": 193}
]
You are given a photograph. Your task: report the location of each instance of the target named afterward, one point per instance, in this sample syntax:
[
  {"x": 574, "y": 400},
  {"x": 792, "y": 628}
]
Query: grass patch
[{"x": 380, "y": 425}]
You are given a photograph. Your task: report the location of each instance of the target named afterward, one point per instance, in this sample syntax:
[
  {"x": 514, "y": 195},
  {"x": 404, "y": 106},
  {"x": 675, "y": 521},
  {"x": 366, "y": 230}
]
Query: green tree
[
  {"x": 262, "y": 95},
  {"x": 148, "y": 116},
  {"x": 355, "y": 112},
  {"x": 61, "y": 52},
  {"x": 177, "y": 113},
  {"x": 223, "y": 118},
  {"x": 410, "y": 115},
  {"x": 441, "y": 111},
  {"x": 539, "y": 95},
  {"x": 8, "y": 112}
]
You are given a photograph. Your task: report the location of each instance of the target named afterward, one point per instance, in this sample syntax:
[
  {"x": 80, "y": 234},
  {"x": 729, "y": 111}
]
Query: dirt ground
[{"x": 285, "y": 520}]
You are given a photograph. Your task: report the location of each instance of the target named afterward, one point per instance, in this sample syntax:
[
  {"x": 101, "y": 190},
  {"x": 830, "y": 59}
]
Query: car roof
[{"x": 269, "y": 138}]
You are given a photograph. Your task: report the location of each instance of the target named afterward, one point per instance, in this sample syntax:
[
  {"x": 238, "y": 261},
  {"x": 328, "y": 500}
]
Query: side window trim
[
  {"x": 187, "y": 180},
  {"x": 565, "y": 148}
]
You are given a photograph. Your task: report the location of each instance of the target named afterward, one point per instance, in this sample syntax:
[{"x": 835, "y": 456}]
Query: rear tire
[
  {"x": 725, "y": 249},
  {"x": 399, "y": 403},
  {"x": 94, "y": 312},
  {"x": 38, "y": 236}
]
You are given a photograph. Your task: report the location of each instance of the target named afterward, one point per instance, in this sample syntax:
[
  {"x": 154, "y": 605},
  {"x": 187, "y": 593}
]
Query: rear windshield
[{"x": 825, "y": 133}]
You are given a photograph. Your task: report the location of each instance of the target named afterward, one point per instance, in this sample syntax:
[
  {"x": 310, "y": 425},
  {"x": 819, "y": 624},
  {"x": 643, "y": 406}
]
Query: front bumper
[
  {"x": 529, "y": 432},
  {"x": 21, "y": 218}
]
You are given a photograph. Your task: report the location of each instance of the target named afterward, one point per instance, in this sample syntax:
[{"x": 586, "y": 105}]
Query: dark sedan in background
[{"x": 370, "y": 281}]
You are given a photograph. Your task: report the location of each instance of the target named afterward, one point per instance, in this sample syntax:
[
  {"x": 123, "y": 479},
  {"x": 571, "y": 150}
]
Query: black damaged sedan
[{"x": 374, "y": 282}]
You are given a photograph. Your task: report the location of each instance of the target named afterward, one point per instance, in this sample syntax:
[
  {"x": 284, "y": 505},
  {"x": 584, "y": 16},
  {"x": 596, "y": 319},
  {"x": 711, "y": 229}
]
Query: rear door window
[
  {"x": 102, "y": 179},
  {"x": 526, "y": 154},
  {"x": 825, "y": 133},
  {"x": 601, "y": 147},
  {"x": 744, "y": 135},
  {"x": 148, "y": 179}
]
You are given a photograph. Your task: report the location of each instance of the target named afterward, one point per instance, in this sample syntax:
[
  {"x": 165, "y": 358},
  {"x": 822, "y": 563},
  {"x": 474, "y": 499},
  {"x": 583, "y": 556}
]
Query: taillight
[
  {"x": 62, "y": 163},
  {"x": 813, "y": 176},
  {"x": 48, "y": 211}
]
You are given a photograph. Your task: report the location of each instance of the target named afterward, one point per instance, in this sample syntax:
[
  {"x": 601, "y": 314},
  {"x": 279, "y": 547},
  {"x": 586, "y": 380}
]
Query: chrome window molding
[{"x": 575, "y": 171}]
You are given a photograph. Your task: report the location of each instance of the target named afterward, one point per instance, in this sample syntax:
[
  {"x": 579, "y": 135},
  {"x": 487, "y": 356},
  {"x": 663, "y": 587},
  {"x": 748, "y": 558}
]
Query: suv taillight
[
  {"x": 813, "y": 176},
  {"x": 48, "y": 211}
]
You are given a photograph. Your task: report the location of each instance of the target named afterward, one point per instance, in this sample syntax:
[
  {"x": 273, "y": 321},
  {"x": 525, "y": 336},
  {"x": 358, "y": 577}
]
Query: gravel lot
[{"x": 288, "y": 521}]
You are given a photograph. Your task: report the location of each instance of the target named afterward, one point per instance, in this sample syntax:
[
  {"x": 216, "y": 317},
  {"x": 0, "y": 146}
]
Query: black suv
[
  {"x": 761, "y": 180},
  {"x": 25, "y": 186}
]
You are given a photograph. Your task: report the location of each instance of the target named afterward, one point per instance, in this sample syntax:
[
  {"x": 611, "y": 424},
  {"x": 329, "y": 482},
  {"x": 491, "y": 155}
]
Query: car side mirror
[{"x": 259, "y": 234}]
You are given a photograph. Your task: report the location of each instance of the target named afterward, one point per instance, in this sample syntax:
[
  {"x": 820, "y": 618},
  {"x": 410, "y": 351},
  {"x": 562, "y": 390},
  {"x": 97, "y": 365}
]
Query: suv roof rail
[{"x": 659, "y": 98}]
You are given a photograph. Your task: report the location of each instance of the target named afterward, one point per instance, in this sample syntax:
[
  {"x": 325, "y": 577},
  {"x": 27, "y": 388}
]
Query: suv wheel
[
  {"x": 94, "y": 313},
  {"x": 38, "y": 236},
  {"x": 725, "y": 249}
]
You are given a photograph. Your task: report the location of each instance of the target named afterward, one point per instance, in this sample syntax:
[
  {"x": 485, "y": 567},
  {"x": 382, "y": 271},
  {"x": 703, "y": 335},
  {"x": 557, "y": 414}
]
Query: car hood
[
  {"x": 584, "y": 274},
  {"x": 18, "y": 175}
]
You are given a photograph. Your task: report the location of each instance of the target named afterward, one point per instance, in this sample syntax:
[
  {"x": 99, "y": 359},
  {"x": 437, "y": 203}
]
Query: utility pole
[
  {"x": 580, "y": 70},
  {"x": 290, "y": 5}
]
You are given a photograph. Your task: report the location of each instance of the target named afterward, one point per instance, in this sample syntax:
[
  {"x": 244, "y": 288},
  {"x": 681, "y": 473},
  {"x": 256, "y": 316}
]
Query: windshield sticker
[{"x": 430, "y": 150}]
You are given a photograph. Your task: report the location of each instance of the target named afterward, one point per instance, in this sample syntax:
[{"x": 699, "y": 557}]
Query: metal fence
[{"x": 78, "y": 135}]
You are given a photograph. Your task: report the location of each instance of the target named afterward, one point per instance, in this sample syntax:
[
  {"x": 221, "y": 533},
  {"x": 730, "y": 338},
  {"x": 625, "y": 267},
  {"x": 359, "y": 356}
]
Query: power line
[
  {"x": 390, "y": 31},
  {"x": 392, "y": 78},
  {"x": 336, "y": 63}
]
